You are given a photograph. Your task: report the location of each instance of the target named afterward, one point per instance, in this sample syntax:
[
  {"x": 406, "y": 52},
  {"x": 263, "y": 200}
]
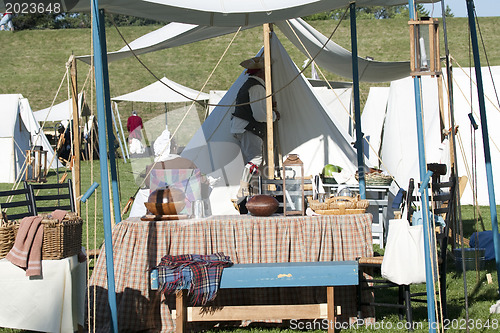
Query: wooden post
[
  {"x": 269, "y": 101},
  {"x": 76, "y": 134},
  {"x": 180, "y": 311},
  {"x": 331, "y": 309}
]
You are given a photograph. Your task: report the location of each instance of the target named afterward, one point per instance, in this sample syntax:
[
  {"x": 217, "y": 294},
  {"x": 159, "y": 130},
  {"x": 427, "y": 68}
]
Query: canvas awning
[
  {"x": 225, "y": 13},
  {"x": 166, "y": 91},
  {"x": 59, "y": 112}
]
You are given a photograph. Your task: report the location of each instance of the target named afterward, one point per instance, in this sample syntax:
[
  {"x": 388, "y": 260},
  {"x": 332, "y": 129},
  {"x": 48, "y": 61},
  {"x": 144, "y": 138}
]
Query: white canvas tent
[
  {"x": 305, "y": 129},
  {"x": 166, "y": 91},
  {"x": 397, "y": 133},
  {"x": 19, "y": 131},
  {"x": 59, "y": 112}
]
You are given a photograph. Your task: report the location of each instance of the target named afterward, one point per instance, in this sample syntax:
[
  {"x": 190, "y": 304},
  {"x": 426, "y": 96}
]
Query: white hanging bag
[{"x": 404, "y": 261}]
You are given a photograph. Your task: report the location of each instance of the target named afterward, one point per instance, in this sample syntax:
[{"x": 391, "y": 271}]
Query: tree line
[{"x": 83, "y": 20}]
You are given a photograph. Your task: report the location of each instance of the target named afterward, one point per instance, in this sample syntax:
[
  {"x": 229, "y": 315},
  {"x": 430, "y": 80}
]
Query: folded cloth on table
[{"x": 200, "y": 274}]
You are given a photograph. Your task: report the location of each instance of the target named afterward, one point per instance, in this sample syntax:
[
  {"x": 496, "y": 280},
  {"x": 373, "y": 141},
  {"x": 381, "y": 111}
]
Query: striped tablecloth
[{"x": 140, "y": 245}]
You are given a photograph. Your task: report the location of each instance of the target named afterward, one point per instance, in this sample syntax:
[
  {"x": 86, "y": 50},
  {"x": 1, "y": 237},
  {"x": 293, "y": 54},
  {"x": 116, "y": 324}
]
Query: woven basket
[
  {"x": 340, "y": 206},
  {"x": 7, "y": 237},
  {"x": 376, "y": 179},
  {"x": 61, "y": 239}
]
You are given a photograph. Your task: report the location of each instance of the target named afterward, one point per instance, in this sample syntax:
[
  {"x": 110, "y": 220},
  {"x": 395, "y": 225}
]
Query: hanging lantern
[
  {"x": 293, "y": 186},
  {"x": 424, "y": 47}
]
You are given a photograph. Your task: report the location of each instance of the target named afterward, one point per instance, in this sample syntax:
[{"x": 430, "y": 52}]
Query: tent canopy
[
  {"x": 226, "y": 13},
  {"x": 333, "y": 57},
  {"x": 59, "y": 112},
  {"x": 166, "y": 91}
]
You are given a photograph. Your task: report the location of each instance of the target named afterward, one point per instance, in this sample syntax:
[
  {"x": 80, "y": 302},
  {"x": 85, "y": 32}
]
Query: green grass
[{"x": 33, "y": 64}]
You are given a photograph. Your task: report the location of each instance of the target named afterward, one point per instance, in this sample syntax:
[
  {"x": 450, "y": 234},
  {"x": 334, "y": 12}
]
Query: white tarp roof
[
  {"x": 19, "y": 131},
  {"x": 59, "y": 112},
  {"x": 172, "y": 35},
  {"x": 304, "y": 128},
  {"x": 333, "y": 57},
  {"x": 228, "y": 13},
  {"x": 166, "y": 92}
]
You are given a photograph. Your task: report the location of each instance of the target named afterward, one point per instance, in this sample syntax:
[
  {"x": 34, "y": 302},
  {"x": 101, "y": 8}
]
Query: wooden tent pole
[
  {"x": 76, "y": 134},
  {"x": 269, "y": 101}
]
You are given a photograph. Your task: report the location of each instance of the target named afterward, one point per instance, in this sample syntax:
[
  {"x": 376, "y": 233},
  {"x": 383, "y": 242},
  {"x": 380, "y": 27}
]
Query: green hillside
[{"x": 33, "y": 62}]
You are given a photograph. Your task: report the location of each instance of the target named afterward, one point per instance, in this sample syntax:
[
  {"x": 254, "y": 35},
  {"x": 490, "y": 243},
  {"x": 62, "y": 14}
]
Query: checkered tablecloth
[{"x": 140, "y": 245}]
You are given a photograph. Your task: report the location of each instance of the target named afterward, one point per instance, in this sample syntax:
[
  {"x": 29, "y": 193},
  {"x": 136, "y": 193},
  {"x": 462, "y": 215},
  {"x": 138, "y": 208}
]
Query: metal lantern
[
  {"x": 424, "y": 47},
  {"x": 293, "y": 186}
]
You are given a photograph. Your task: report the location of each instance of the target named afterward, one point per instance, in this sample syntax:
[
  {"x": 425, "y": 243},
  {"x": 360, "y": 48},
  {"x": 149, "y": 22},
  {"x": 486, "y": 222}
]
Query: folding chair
[
  {"x": 49, "y": 197},
  {"x": 17, "y": 203}
]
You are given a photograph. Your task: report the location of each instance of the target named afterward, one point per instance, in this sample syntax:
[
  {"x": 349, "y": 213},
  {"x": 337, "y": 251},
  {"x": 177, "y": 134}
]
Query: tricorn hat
[{"x": 253, "y": 63}]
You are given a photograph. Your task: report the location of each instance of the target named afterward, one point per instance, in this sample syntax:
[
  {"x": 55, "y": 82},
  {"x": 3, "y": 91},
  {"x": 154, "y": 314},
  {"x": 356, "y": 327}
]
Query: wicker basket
[
  {"x": 7, "y": 237},
  {"x": 61, "y": 239},
  {"x": 340, "y": 206},
  {"x": 376, "y": 179}
]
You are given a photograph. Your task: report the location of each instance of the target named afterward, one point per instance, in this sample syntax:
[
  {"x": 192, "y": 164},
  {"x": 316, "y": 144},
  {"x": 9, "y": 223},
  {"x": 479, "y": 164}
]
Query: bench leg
[
  {"x": 331, "y": 309},
  {"x": 181, "y": 311}
]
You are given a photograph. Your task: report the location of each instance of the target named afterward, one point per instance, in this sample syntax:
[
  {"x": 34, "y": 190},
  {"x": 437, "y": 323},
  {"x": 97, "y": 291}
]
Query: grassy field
[{"x": 33, "y": 64}]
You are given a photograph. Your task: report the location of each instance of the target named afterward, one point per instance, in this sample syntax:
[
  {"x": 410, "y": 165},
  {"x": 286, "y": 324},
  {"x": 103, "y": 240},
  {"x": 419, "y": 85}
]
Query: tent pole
[
  {"x": 109, "y": 125},
  {"x": 76, "y": 134},
  {"x": 118, "y": 136},
  {"x": 102, "y": 84},
  {"x": 484, "y": 129},
  {"x": 357, "y": 108},
  {"x": 453, "y": 154},
  {"x": 121, "y": 129},
  {"x": 268, "y": 28},
  {"x": 430, "y": 288}
]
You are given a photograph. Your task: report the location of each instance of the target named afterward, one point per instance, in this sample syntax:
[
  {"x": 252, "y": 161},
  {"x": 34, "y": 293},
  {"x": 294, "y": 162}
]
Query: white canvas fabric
[
  {"x": 305, "y": 129},
  {"x": 58, "y": 112},
  {"x": 335, "y": 58},
  {"x": 18, "y": 132},
  {"x": 372, "y": 122},
  {"x": 463, "y": 100},
  {"x": 399, "y": 151},
  {"x": 166, "y": 91},
  {"x": 225, "y": 13}
]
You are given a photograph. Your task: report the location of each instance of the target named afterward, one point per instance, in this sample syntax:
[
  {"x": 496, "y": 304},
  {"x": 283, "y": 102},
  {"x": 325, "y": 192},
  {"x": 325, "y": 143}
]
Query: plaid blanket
[{"x": 200, "y": 274}]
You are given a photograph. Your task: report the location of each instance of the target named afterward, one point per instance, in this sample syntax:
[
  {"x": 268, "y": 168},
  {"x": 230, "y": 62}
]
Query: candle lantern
[
  {"x": 424, "y": 47},
  {"x": 293, "y": 186}
]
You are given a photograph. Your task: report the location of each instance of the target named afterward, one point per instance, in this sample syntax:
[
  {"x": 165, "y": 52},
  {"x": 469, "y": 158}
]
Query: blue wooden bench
[{"x": 273, "y": 275}]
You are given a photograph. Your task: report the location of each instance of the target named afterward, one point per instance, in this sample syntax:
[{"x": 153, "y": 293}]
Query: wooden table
[{"x": 139, "y": 246}]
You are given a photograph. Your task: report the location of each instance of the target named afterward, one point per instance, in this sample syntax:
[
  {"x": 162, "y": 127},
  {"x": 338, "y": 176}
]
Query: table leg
[
  {"x": 181, "y": 311},
  {"x": 331, "y": 309}
]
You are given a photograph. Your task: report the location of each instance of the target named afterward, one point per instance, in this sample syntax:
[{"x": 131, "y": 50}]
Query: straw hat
[{"x": 253, "y": 63}]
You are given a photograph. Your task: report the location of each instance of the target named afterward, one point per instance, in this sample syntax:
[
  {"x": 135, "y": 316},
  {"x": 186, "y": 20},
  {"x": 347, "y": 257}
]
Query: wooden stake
[
  {"x": 269, "y": 101},
  {"x": 76, "y": 135}
]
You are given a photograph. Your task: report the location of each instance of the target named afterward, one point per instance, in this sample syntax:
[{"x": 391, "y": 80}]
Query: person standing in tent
[
  {"x": 248, "y": 122},
  {"x": 134, "y": 127}
]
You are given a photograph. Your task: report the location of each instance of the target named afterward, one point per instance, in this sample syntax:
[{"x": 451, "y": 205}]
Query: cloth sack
[{"x": 404, "y": 261}]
